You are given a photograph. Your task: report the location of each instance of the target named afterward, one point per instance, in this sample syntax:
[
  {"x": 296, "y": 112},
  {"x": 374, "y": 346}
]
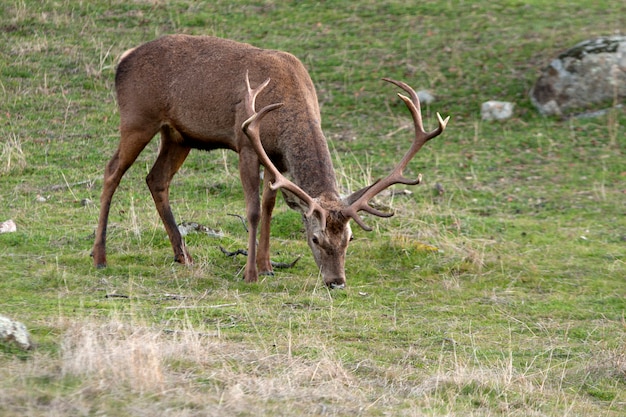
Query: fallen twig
[
  {"x": 243, "y": 221},
  {"x": 68, "y": 185},
  {"x": 235, "y": 253},
  {"x": 279, "y": 265},
  {"x": 182, "y": 332},
  {"x": 116, "y": 296},
  {"x": 285, "y": 265},
  {"x": 198, "y": 307},
  {"x": 174, "y": 297}
]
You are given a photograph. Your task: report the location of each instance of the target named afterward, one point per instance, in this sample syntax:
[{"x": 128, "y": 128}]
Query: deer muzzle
[{"x": 338, "y": 283}]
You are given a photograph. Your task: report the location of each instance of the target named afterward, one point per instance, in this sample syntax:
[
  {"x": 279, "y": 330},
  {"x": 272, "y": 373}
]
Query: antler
[
  {"x": 251, "y": 128},
  {"x": 360, "y": 199}
]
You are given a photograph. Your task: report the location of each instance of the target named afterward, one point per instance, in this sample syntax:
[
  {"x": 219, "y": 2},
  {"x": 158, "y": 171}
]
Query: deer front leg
[
  {"x": 249, "y": 173},
  {"x": 267, "y": 206}
]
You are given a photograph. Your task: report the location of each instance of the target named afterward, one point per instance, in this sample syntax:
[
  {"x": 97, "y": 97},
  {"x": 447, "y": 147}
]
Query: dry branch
[
  {"x": 279, "y": 265},
  {"x": 200, "y": 307}
]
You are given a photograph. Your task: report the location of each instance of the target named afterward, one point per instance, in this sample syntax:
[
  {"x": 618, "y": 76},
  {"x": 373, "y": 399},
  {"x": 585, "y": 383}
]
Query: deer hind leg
[
  {"x": 249, "y": 173},
  {"x": 131, "y": 144},
  {"x": 171, "y": 156},
  {"x": 267, "y": 206}
]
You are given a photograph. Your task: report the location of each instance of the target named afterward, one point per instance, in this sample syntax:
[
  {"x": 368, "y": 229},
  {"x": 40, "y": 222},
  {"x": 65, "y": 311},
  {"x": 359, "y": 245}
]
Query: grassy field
[{"x": 498, "y": 289}]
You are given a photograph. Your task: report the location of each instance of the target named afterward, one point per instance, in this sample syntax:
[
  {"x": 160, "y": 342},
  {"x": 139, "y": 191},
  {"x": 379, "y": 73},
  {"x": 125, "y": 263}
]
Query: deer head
[{"x": 326, "y": 218}]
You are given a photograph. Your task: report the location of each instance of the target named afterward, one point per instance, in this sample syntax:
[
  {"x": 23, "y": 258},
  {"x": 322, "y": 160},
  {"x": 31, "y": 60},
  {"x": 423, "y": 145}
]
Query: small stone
[
  {"x": 425, "y": 97},
  {"x": 12, "y": 331},
  {"x": 8, "y": 226},
  {"x": 496, "y": 110},
  {"x": 188, "y": 227}
]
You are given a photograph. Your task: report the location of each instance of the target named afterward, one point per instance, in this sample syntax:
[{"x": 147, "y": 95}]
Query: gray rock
[
  {"x": 426, "y": 97},
  {"x": 591, "y": 73},
  {"x": 496, "y": 110},
  {"x": 188, "y": 227},
  {"x": 8, "y": 226},
  {"x": 15, "y": 332}
]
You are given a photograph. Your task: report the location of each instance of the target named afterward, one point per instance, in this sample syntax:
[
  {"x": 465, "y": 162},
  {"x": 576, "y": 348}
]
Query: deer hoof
[{"x": 183, "y": 259}]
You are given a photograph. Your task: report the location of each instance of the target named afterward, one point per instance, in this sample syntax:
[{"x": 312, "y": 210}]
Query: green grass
[{"x": 519, "y": 311}]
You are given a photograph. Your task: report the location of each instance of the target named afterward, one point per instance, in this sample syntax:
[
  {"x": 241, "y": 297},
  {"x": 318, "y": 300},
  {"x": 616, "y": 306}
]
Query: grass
[{"x": 499, "y": 292}]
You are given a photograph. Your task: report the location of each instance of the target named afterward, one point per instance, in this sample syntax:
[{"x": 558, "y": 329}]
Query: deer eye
[
  {"x": 315, "y": 240},
  {"x": 351, "y": 238}
]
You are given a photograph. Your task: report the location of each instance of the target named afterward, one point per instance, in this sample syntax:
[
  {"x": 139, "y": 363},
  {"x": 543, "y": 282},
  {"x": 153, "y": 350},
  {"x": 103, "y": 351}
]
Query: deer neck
[{"x": 311, "y": 168}]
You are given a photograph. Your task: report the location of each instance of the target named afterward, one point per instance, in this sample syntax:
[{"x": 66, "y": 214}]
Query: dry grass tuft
[
  {"x": 12, "y": 156},
  {"x": 114, "y": 354},
  {"x": 116, "y": 367}
]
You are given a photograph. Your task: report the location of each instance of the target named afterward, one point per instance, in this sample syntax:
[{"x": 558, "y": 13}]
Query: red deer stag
[{"x": 196, "y": 92}]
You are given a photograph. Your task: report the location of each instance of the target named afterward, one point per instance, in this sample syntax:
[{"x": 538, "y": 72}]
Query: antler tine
[
  {"x": 251, "y": 128},
  {"x": 413, "y": 104},
  {"x": 360, "y": 200}
]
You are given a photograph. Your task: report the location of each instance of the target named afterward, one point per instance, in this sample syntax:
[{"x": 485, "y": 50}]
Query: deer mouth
[{"x": 336, "y": 284}]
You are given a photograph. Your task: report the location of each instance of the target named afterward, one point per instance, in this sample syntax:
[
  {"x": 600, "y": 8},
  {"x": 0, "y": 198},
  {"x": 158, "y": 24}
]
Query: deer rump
[{"x": 196, "y": 91}]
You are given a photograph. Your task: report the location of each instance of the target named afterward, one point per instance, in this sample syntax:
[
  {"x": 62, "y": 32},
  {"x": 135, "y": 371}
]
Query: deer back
[{"x": 194, "y": 84}]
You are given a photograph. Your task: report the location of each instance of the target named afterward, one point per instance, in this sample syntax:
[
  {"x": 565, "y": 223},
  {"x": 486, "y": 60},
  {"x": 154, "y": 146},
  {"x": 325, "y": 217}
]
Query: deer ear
[
  {"x": 357, "y": 194},
  {"x": 294, "y": 202}
]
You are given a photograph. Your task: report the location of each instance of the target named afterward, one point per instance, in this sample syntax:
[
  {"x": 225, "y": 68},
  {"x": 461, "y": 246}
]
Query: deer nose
[{"x": 338, "y": 283}]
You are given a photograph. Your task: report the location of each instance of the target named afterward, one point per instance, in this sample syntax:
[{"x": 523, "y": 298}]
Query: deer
[{"x": 196, "y": 91}]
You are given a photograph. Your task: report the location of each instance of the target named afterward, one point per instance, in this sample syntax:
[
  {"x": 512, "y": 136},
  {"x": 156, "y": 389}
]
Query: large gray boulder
[{"x": 591, "y": 73}]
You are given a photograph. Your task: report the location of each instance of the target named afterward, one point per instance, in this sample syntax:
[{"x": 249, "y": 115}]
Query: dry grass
[
  {"x": 115, "y": 368},
  {"x": 12, "y": 156},
  {"x": 138, "y": 370}
]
